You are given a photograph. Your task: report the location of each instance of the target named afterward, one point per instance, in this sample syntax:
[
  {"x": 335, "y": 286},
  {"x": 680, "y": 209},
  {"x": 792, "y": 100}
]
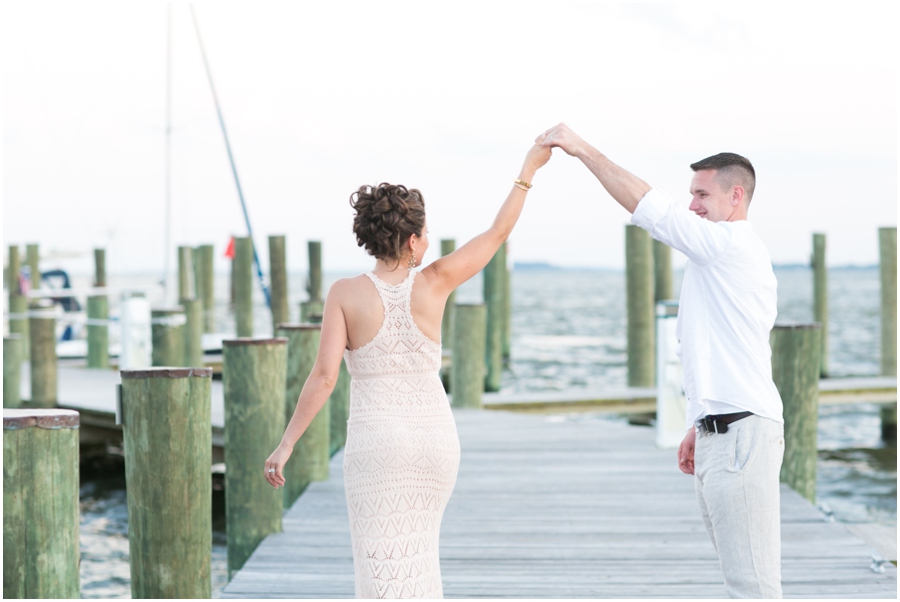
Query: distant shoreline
[{"x": 519, "y": 266}]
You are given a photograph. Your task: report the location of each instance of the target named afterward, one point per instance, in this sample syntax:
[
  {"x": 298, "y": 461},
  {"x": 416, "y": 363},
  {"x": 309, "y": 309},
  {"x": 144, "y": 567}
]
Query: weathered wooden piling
[
  {"x": 193, "y": 332},
  {"x": 98, "y": 316},
  {"x": 314, "y": 284},
  {"x": 42, "y": 330},
  {"x": 41, "y": 555},
  {"x": 820, "y": 296},
  {"x": 98, "y": 331},
  {"x": 495, "y": 302},
  {"x": 253, "y": 373},
  {"x": 168, "y": 451},
  {"x": 640, "y": 307},
  {"x": 795, "y": 370},
  {"x": 167, "y": 327},
  {"x": 309, "y": 460},
  {"x": 339, "y": 410},
  {"x": 662, "y": 272},
  {"x": 243, "y": 286},
  {"x": 887, "y": 246},
  {"x": 279, "y": 283},
  {"x": 14, "y": 265},
  {"x": 99, "y": 267},
  {"x": 205, "y": 283},
  {"x": 13, "y": 351},
  {"x": 507, "y": 306},
  {"x": 467, "y": 370},
  {"x": 448, "y": 245},
  {"x": 311, "y": 310},
  {"x": 33, "y": 259},
  {"x": 186, "y": 280},
  {"x": 18, "y": 304}
]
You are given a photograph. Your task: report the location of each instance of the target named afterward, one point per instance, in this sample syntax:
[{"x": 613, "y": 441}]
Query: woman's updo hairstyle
[{"x": 386, "y": 216}]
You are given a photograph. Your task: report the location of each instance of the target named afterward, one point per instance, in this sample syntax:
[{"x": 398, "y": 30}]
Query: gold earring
[{"x": 412, "y": 261}]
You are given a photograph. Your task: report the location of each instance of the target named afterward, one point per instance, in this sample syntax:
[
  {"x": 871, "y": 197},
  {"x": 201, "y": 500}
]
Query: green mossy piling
[
  {"x": 253, "y": 374},
  {"x": 168, "y": 453}
]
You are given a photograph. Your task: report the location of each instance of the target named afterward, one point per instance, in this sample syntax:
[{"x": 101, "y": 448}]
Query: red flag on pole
[{"x": 229, "y": 250}]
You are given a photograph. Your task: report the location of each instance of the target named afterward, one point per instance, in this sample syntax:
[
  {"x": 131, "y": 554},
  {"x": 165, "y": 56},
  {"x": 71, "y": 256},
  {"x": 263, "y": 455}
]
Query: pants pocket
[{"x": 743, "y": 447}]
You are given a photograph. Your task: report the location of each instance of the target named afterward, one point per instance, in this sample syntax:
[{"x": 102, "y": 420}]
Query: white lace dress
[{"x": 401, "y": 455}]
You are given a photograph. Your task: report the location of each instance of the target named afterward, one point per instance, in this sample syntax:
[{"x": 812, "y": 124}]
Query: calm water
[{"x": 568, "y": 331}]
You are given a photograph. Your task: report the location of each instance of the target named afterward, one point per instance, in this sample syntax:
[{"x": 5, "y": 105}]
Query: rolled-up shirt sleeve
[{"x": 701, "y": 240}]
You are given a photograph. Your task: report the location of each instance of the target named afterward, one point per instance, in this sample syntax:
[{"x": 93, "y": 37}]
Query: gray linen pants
[{"x": 737, "y": 482}]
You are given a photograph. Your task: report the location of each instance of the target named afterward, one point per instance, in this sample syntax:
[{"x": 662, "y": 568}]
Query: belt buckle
[{"x": 711, "y": 425}]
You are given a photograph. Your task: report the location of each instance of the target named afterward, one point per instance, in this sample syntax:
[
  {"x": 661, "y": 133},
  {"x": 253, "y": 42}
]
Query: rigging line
[{"x": 237, "y": 181}]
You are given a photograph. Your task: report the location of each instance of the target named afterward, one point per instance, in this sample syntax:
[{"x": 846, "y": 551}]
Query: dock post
[
  {"x": 887, "y": 245},
  {"x": 640, "y": 307},
  {"x": 495, "y": 302},
  {"x": 311, "y": 310},
  {"x": 314, "y": 286},
  {"x": 167, "y": 336},
  {"x": 448, "y": 245},
  {"x": 243, "y": 286},
  {"x": 467, "y": 369},
  {"x": 18, "y": 303},
  {"x": 167, "y": 432},
  {"x": 33, "y": 259},
  {"x": 279, "y": 281},
  {"x": 41, "y": 556},
  {"x": 98, "y": 331},
  {"x": 662, "y": 271},
  {"x": 12, "y": 370},
  {"x": 309, "y": 460},
  {"x": 193, "y": 332},
  {"x": 100, "y": 268},
  {"x": 185, "y": 273},
  {"x": 507, "y": 306},
  {"x": 339, "y": 410},
  {"x": 795, "y": 370},
  {"x": 42, "y": 329},
  {"x": 253, "y": 373},
  {"x": 205, "y": 284},
  {"x": 820, "y": 296}
]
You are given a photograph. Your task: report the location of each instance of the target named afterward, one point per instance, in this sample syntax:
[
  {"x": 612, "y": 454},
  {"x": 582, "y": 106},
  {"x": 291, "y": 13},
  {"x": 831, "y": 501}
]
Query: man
[{"x": 735, "y": 439}]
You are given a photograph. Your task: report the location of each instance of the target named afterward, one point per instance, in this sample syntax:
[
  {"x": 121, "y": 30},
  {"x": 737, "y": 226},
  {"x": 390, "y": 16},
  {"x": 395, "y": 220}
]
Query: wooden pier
[{"x": 557, "y": 507}]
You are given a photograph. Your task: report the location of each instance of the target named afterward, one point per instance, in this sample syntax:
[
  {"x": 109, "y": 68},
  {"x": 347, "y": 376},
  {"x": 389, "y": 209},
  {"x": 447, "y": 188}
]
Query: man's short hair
[{"x": 731, "y": 170}]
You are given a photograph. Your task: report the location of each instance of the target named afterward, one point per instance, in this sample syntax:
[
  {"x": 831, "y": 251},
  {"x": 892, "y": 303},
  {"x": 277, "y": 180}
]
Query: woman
[{"x": 402, "y": 451}]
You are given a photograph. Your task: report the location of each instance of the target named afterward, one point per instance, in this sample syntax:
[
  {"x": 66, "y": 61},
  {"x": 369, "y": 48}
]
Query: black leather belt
[{"x": 718, "y": 423}]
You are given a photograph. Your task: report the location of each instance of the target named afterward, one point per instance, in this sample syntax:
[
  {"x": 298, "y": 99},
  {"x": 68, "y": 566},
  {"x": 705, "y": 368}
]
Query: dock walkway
[{"x": 561, "y": 507}]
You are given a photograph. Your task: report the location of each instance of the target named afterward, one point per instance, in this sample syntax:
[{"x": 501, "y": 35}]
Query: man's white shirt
[{"x": 726, "y": 310}]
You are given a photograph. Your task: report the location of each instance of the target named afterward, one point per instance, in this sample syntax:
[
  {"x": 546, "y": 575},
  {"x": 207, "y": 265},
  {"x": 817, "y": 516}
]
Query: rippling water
[{"x": 568, "y": 333}]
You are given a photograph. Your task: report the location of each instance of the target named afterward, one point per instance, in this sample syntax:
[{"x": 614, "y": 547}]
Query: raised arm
[
  {"x": 452, "y": 270},
  {"x": 626, "y": 188},
  {"x": 318, "y": 386}
]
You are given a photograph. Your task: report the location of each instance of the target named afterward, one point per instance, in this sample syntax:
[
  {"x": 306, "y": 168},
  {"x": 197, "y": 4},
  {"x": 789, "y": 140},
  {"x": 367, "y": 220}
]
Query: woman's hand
[
  {"x": 536, "y": 158},
  {"x": 275, "y": 464}
]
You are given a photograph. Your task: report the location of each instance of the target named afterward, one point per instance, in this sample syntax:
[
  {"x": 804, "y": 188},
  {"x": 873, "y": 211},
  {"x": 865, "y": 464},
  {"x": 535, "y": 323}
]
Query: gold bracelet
[
  {"x": 522, "y": 184},
  {"x": 517, "y": 185}
]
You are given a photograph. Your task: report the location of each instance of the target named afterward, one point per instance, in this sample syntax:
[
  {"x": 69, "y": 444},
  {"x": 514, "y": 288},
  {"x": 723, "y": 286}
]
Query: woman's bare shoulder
[{"x": 348, "y": 287}]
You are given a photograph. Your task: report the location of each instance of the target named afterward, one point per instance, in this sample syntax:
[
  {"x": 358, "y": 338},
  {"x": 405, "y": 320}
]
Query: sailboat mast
[
  {"x": 237, "y": 181},
  {"x": 167, "y": 249}
]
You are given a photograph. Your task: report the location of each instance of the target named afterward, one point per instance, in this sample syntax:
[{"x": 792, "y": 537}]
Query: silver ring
[{"x": 271, "y": 470}]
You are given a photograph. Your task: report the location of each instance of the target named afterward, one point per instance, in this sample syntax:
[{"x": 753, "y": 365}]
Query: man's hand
[
  {"x": 686, "y": 452},
  {"x": 562, "y": 137}
]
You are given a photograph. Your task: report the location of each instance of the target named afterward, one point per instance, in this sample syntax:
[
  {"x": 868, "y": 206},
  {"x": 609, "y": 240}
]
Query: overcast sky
[{"x": 319, "y": 98}]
